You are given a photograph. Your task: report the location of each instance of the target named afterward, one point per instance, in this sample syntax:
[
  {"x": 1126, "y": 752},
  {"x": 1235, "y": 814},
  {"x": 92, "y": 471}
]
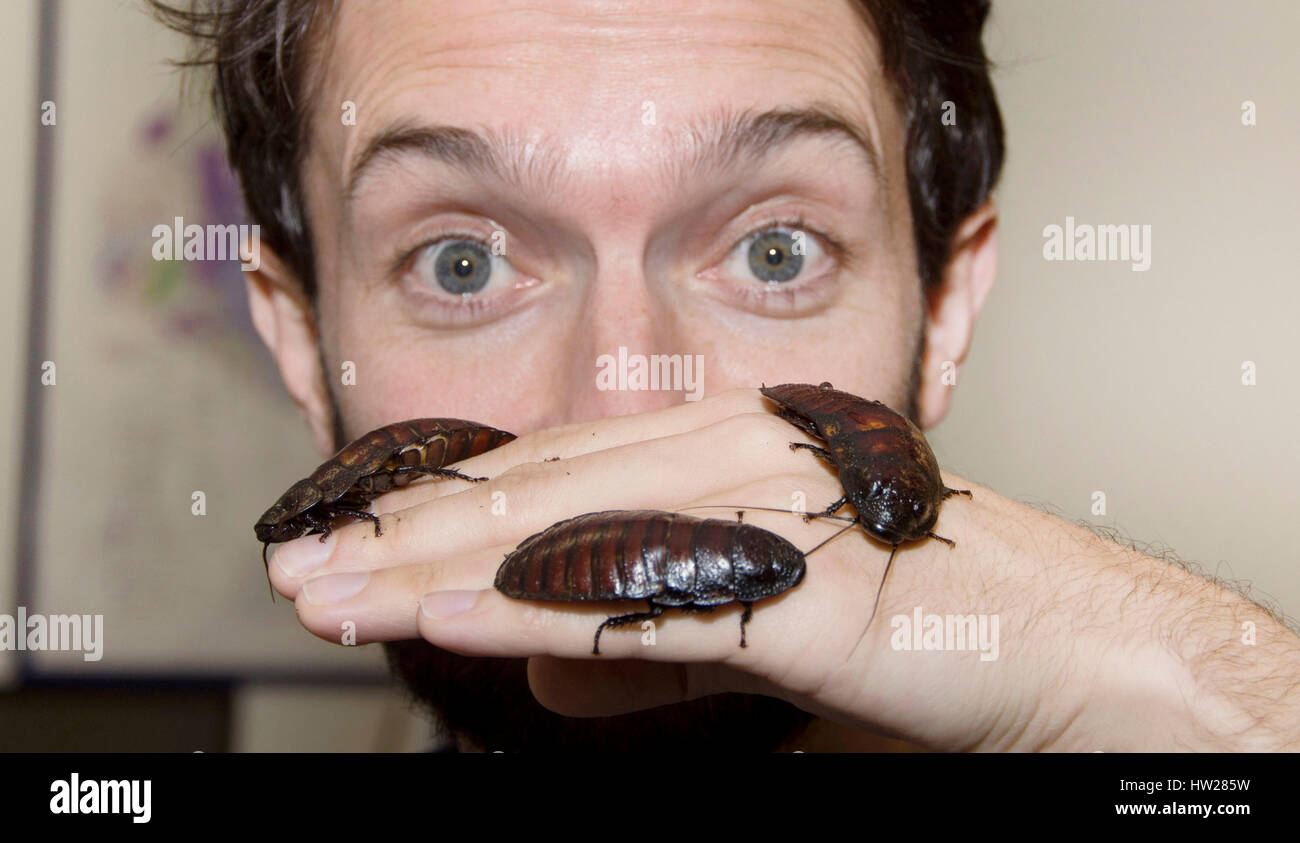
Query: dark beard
[{"x": 487, "y": 703}]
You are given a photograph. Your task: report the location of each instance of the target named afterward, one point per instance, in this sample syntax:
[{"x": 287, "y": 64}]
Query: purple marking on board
[{"x": 158, "y": 129}]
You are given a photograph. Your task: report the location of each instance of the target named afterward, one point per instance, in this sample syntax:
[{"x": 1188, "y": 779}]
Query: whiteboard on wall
[{"x": 162, "y": 391}]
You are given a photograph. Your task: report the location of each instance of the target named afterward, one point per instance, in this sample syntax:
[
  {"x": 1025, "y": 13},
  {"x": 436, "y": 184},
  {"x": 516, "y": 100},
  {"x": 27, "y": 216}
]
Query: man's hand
[{"x": 1086, "y": 645}]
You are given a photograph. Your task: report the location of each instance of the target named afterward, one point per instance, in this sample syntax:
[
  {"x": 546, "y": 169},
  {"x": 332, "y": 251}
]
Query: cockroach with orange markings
[{"x": 886, "y": 468}]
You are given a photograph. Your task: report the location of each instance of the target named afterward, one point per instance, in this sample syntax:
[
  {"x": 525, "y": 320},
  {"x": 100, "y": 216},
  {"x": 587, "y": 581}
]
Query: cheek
[
  {"x": 864, "y": 343},
  {"x": 891, "y": 340},
  {"x": 381, "y": 367},
  {"x": 380, "y": 370}
]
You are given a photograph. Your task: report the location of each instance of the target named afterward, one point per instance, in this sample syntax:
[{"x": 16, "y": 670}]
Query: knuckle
[
  {"x": 400, "y": 538},
  {"x": 530, "y": 446},
  {"x": 538, "y": 622},
  {"x": 755, "y": 431},
  {"x": 521, "y": 474},
  {"x": 777, "y": 488},
  {"x": 423, "y": 579},
  {"x": 778, "y": 431},
  {"x": 809, "y": 486},
  {"x": 548, "y": 443},
  {"x": 357, "y": 537},
  {"x": 779, "y": 491},
  {"x": 739, "y": 399}
]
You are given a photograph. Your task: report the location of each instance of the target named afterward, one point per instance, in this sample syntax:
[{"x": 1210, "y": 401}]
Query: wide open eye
[
  {"x": 781, "y": 269},
  {"x": 457, "y": 266},
  {"x": 777, "y": 256}
]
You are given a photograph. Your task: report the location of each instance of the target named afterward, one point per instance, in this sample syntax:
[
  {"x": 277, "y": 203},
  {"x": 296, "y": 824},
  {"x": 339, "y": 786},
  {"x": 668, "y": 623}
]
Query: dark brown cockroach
[
  {"x": 886, "y": 468},
  {"x": 385, "y": 458},
  {"x": 666, "y": 559}
]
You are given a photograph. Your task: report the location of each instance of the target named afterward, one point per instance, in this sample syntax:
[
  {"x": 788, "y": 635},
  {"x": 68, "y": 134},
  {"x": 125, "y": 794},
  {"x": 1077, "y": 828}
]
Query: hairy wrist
[{"x": 1163, "y": 660}]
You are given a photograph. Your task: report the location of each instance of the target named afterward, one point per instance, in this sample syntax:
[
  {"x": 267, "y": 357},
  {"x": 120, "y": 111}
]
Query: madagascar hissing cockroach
[
  {"x": 385, "y": 458},
  {"x": 666, "y": 559},
  {"x": 886, "y": 468}
]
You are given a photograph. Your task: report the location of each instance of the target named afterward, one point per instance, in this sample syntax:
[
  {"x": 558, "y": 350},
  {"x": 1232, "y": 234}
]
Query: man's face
[
  {"x": 649, "y": 170},
  {"x": 623, "y": 210}
]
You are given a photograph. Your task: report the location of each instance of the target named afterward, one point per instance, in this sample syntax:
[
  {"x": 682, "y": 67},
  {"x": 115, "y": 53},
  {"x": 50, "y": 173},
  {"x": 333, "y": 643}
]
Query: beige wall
[
  {"x": 1092, "y": 377},
  {"x": 18, "y": 68}
]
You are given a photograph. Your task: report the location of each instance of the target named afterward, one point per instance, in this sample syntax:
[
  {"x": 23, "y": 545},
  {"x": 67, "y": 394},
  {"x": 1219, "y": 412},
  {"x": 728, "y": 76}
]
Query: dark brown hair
[{"x": 932, "y": 54}]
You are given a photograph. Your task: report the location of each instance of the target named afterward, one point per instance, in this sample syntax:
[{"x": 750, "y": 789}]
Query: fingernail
[
  {"x": 300, "y": 557},
  {"x": 447, "y": 604},
  {"x": 334, "y": 588}
]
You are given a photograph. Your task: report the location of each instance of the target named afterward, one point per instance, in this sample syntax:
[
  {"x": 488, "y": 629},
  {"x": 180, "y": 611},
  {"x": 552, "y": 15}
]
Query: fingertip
[{"x": 468, "y": 622}]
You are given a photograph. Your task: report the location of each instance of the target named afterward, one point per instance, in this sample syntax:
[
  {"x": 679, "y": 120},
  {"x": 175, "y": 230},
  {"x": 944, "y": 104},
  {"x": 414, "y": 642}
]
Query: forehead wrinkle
[
  {"x": 729, "y": 137},
  {"x": 716, "y": 143},
  {"x": 501, "y": 153}
]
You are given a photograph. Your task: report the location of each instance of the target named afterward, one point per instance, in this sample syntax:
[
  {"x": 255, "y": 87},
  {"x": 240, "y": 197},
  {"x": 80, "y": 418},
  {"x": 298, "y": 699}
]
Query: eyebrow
[{"x": 715, "y": 143}]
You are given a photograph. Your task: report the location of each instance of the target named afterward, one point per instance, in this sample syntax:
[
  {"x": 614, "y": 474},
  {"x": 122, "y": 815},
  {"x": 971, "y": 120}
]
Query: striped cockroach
[
  {"x": 385, "y": 458},
  {"x": 667, "y": 559},
  {"x": 886, "y": 468}
]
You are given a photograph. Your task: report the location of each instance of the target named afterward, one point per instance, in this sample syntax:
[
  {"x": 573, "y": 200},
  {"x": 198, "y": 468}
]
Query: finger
[
  {"x": 381, "y": 605},
  {"x": 527, "y": 498},
  {"x": 487, "y": 623},
  {"x": 573, "y": 440},
  {"x": 795, "y": 639},
  {"x": 370, "y": 604}
]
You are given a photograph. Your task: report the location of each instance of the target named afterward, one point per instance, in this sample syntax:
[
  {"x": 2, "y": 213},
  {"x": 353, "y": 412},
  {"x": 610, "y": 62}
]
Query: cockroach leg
[
  {"x": 948, "y": 542},
  {"x": 800, "y": 421},
  {"x": 360, "y": 513},
  {"x": 623, "y": 620},
  {"x": 435, "y": 471},
  {"x": 819, "y": 451},
  {"x": 451, "y": 472},
  {"x": 947, "y": 493},
  {"x": 828, "y": 511},
  {"x": 321, "y": 524}
]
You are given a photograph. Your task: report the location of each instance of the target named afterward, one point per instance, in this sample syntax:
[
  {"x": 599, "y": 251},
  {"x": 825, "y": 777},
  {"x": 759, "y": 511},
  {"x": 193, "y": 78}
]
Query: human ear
[
  {"x": 284, "y": 318},
  {"x": 952, "y": 307}
]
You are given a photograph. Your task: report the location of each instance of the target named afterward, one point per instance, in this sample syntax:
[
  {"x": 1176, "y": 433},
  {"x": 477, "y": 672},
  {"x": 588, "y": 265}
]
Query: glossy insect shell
[
  {"x": 280, "y": 523},
  {"x": 367, "y": 467},
  {"x": 663, "y": 557},
  {"x": 885, "y": 466}
]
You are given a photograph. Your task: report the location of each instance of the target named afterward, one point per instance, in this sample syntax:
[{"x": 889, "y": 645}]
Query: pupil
[
  {"x": 462, "y": 267},
  {"x": 773, "y": 256}
]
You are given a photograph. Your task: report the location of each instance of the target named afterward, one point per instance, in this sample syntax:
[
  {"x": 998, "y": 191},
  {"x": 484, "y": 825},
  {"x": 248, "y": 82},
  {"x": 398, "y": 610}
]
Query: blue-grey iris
[
  {"x": 462, "y": 266},
  {"x": 772, "y": 257}
]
